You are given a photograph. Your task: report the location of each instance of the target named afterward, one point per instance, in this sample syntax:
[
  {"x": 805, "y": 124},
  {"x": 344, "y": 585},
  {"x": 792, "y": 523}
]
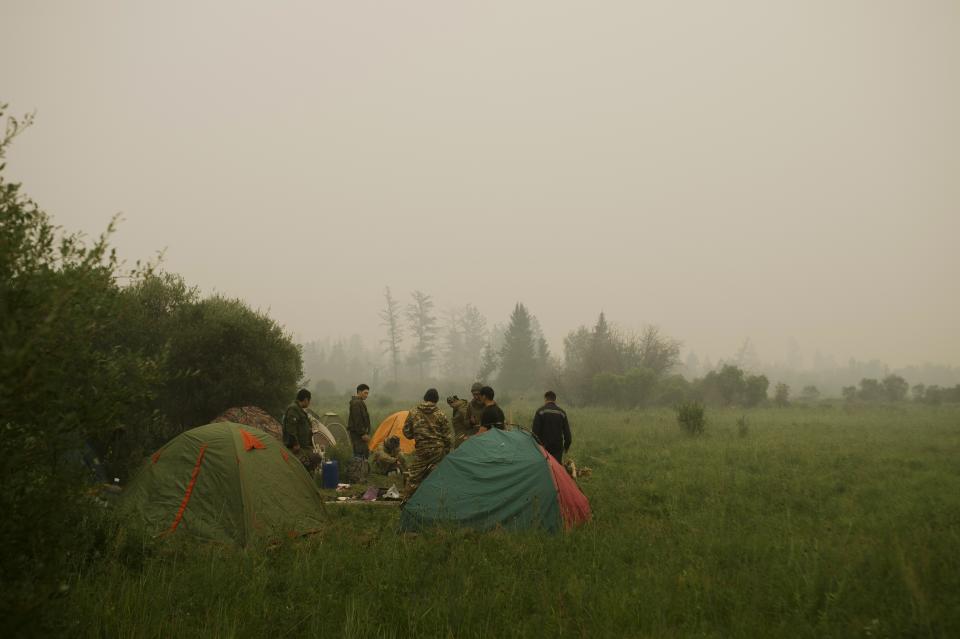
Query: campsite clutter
[
  {"x": 247, "y": 477},
  {"x": 323, "y": 437}
]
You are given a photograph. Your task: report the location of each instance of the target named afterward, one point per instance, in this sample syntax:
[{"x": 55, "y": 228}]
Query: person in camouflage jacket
[
  {"x": 429, "y": 428},
  {"x": 387, "y": 456}
]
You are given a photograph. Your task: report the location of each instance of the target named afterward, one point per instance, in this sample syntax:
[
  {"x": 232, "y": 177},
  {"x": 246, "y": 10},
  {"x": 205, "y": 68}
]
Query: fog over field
[{"x": 783, "y": 171}]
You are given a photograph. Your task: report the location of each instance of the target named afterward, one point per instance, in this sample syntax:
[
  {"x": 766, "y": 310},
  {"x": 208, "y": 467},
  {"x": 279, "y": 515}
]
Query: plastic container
[{"x": 331, "y": 474}]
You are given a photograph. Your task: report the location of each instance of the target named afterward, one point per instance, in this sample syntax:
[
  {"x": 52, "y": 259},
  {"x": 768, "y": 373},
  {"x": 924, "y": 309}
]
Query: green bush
[
  {"x": 755, "y": 390},
  {"x": 221, "y": 354},
  {"x": 67, "y": 391},
  {"x": 215, "y": 353},
  {"x": 691, "y": 417},
  {"x": 724, "y": 387},
  {"x": 92, "y": 376},
  {"x": 781, "y": 395},
  {"x": 672, "y": 390}
]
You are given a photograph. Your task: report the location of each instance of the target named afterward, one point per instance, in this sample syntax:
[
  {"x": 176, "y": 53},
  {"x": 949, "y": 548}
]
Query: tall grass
[{"x": 818, "y": 522}]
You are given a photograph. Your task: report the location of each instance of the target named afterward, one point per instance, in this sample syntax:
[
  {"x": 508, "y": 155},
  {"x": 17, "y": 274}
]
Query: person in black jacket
[
  {"x": 552, "y": 428},
  {"x": 492, "y": 415}
]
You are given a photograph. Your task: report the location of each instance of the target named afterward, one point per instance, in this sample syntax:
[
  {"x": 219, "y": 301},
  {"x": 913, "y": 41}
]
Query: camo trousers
[{"x": 424, "y": 461}]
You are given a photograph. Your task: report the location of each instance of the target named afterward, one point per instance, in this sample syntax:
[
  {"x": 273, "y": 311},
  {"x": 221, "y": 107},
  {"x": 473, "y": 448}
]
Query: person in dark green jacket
[
  {"x": 461, "y": 428},
  {"x": 297, "y": 432},
  {"x": 358, "y": 422}
]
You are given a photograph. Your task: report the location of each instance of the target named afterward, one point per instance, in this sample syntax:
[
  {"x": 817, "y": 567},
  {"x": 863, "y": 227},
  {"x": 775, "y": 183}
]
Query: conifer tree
[{"x": 518, "y": 357}]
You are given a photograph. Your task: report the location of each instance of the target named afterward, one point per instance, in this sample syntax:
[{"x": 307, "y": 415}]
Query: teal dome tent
[{"x": 497, "y": 479}]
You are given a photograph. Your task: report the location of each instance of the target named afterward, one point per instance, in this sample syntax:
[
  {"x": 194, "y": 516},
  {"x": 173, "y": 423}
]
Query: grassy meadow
[{"x": 826, "y": 521}]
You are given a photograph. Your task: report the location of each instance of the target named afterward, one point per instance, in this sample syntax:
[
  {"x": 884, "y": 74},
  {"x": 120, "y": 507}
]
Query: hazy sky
[{"x": 757, "y": 168}]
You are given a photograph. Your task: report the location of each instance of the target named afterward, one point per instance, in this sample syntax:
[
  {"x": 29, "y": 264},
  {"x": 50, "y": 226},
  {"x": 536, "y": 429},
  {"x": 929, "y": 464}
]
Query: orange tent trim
[
  {"x": 249, "y": 441},
  {"x": 186, "y": 497}
]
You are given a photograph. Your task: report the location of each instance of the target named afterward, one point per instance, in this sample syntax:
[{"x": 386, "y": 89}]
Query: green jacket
[
  {"x": 296, "y": 428},
  {"x": 460, "y": 420},
  {"x": 358, "y": 423}
]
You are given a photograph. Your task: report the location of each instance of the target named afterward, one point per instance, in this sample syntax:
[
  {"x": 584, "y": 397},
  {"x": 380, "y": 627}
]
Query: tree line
[{"x": 601, "y": 365}]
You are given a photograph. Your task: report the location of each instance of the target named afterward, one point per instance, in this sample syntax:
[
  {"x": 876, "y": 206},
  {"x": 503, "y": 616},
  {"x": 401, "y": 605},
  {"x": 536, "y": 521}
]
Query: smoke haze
[{"x": 784, "y": 171}]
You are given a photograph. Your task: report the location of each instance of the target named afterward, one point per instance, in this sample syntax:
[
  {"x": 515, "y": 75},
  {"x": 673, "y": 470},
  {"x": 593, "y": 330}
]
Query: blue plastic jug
[{"x": 331, "y": 474}]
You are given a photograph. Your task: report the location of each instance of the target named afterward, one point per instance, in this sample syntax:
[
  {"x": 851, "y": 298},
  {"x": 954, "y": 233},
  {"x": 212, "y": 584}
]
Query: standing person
[
  {"x": 297, "y": 432},
  {"x": 358, "y": 422},
  {"x": 552, "y": 428},
  {"x": 475, "y": 408},
  {"x": 492, "y": 416},
  {"x": 429, "y": 428},
  {"x": 461, "y": 427}
]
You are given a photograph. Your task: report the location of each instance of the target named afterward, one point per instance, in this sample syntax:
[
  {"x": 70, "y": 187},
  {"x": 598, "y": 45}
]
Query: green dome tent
[
  {"x": 225, "y": 482},
  {"x": 497, "y": 479}
]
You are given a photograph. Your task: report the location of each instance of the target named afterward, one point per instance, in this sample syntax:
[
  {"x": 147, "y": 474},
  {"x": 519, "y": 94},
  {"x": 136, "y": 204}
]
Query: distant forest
[{"x": 599, "y": 364}]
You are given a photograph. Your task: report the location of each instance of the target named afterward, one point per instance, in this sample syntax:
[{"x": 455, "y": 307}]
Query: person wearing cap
[
  {"x": 475, "y": 408},
  {"x": 492, "y": 415},
  {"x": 551, "y": 427},
  {"x": 387, "y": 457},
  {"x": 428, "y": 426}
]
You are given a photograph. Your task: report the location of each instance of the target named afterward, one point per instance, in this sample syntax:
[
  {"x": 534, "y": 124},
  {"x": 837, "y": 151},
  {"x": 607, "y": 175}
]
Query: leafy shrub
[
  {"x": 213, "y": 354},
  {"x": 691, "y": 417},
  {"x": 222, "y": 354},
  {"x": 672, "y": 390},
  {"x": 810, "y": 393},
  {"x": 724, "y": 387},
  {"x": 92, "y": 375},
  {"x": 933, "y": 394},
  {"x": 871, "y": 390},
  {"x": 608, "y": 389},
  {"x": 895, "y": 388},
  {"x": 755, "y": 390},
  {"x": 781, "y": 395},
  {"x": 66, "y": 389}
]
